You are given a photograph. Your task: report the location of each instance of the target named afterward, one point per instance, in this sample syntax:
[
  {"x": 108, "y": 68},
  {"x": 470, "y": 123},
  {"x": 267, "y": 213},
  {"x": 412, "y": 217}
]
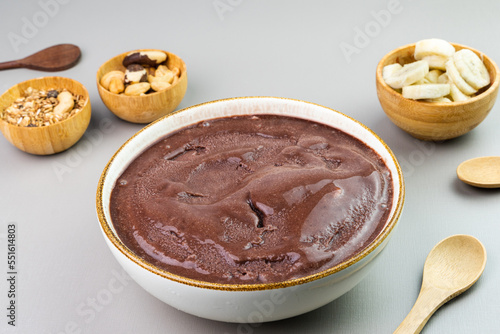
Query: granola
[{"x": 36, "y": 108}]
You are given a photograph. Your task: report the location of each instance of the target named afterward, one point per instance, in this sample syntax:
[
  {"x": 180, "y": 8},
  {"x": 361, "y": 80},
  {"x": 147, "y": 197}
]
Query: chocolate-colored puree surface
[{"x": 249, "y": 199}]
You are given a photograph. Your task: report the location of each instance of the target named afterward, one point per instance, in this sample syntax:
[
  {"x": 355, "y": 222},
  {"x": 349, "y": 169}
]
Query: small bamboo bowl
[
  {"x": 53, "y": 138},
  {"x": 435, "y": 121},
  {"x": 145, "y": 108}
]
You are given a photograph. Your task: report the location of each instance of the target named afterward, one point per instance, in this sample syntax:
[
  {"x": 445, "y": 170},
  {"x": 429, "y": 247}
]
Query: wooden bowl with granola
[
  {"x": 143, "y": 85},
  {"x": 45, "y": 115}
]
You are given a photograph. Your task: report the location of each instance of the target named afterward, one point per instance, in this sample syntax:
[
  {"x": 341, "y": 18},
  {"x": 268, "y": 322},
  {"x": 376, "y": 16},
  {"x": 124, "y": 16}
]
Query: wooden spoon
[
  {"x": 55, "y": 58},
  {"x": 451, "y": 267},
  {"x": 480, "y": 172}
]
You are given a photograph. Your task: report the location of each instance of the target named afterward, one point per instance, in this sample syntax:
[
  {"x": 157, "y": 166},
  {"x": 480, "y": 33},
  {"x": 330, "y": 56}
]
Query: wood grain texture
[
  {"x": 55, "y": 58},
  {"x": 481, "y": 172},
  {"x": 435, "y": 121},
  {"x": 451, "y": 267},
  {"x": 47, "y": 139},
  {"x": 145, "y": 108}
]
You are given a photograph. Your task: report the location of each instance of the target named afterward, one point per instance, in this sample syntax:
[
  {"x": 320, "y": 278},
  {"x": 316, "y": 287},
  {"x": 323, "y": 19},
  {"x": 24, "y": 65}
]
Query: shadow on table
[{"x": 469, "y": 191}]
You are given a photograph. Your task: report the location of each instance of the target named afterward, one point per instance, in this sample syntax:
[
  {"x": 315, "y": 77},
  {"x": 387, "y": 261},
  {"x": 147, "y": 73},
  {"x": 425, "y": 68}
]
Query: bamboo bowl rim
[
  {"x": 18, "y": 87},
  {"x": 100, "y": 72},
  {"x": 435, "y": 106}
]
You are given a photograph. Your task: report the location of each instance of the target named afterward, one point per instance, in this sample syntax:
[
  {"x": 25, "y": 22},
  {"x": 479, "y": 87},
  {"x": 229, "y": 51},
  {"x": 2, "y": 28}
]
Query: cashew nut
[
  {"x": 116, "y": 86},
  {"x": 165, "y": 73},
  {"x": 159, "y": 83},
  {"x": 106, "y": 79},
  {"x": 176, "y": 71},
  {"x": 161, "y": 70},
  {"x": 65, "y": 104},
  {"x": 137, "y": 89}
]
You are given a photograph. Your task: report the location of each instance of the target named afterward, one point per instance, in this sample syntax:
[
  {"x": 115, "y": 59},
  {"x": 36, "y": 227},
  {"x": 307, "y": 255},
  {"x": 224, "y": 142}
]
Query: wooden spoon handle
[
  {"x": 10, "y": 64},
  {"x": 428, "y": 301}
]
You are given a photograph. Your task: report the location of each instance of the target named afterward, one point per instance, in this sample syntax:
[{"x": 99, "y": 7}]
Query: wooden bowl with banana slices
[
  {"x": 45, "y": 115},
  {"x": 141, "y": 86},
  {"x": 436, "y": 90}
]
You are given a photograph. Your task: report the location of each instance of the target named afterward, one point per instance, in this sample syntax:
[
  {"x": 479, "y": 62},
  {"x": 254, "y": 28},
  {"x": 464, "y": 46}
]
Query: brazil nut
[{"x": 147, "y": 58}]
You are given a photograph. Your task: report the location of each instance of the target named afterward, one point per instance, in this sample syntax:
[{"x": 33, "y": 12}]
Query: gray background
[{"x": 69, "y": 282}]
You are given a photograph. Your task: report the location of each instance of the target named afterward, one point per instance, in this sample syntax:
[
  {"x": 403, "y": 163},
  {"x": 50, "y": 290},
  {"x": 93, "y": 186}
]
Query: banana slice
[
  {"x": 471, "y": 68},
  {"x": 436, "y": 62},
  {"x": 440, "y": 74},
  {"x": 390, "y": 70},
  {"x": 433, "y": 76},
  {"x": 443, "y": 78},
  {"x": 423, "y": 81},
  {"x": 456, "y": 93},
  {"x": 439, "y": 99},
  {"x": 457, "y": 79},
  {"x": 429, "y": 91},
  {"x": 408, "y": 74},
  {"x": 433, "y": 46}
]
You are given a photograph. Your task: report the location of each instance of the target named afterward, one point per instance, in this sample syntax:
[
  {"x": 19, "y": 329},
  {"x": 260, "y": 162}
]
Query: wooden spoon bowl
[
  {"x": 55, "y": 58},
  {"x": 483, "y": 172},
  {"x": 53, "y": 138},
  {"x": 435, "y": 121},
  {"x": 145, "y": 108},
  {"x": 451, "y": 267}
]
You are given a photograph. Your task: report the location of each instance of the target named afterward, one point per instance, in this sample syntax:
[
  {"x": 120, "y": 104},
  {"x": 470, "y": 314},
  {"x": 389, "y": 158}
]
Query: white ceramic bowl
[{"x": 246, "y": 303}]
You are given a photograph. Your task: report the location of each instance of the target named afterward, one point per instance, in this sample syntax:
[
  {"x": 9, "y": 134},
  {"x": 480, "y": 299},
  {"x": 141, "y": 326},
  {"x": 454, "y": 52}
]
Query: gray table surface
[{"x": 68, "y": 281}]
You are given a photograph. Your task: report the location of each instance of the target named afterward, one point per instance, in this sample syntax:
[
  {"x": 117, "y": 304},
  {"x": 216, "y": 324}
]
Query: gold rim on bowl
[{"x": 382, "y": 236}]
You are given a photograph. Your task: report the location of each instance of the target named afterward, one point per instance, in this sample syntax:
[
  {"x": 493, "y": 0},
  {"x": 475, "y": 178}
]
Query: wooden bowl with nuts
[
  {"x": 45, "y": 115},
  {"x": 143, "y": 85},
  {"x": 442, "y": 118}
]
